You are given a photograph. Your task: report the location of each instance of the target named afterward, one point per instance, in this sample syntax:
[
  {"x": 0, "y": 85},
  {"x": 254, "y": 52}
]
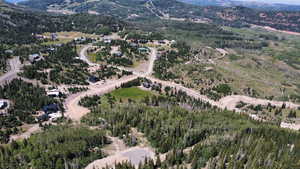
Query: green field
[{"x": 133, "y": 93}]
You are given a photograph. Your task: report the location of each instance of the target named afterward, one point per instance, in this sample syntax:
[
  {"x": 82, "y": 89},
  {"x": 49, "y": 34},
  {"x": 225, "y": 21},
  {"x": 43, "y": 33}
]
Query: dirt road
[
  {"x": 15, "y": 66},
  {"x": 134, "y": 155},
  {"x": 32, "y": 129},
  {"x": 83, "y": 56}
]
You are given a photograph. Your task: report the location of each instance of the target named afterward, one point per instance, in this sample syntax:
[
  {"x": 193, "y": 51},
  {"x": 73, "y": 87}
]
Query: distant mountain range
[
  {"x": 143, "y": 10},
  {"x": 248, "y": 4},
  {"x": 229, "y": 3},
  {"x": 13, "y": 1}
]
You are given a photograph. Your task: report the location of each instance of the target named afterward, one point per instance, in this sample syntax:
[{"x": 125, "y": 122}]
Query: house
[
  {"x": 55, "y": 116},
  {"x": 93, "y": 79},
  {"x": 107, "y": 40},
  {"x": 54, "y": 36},
  {"x": 147, "y": 85},
  {"x": 161, "y": 42},
  {"x": 54, "y": 93},
  {"x": 134, "y": 45},
  {"x": 51, "y": 49},
  {"x": 118, "y": 54},
  {"x": 58, "y": 45},
  {"x": 3, "y": 104},
  {"x": 34, "y": 58},
  {"x": 44, "y": 117},
  {"x": 116, "y": 27},
  {"x": 80, "y": 39},
  {"x": 143, "y": 41},
  {"x": 143, "y": 50},
  {"x": 51, "y": 108},
  {"x": 10, "y": 52},
  {"x": 40, "y": 37}
]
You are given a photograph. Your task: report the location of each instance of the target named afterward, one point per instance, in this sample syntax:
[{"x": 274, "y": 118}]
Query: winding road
[
  {"x": 228, "y": 102},
  {"x": 137, "y": 154}
]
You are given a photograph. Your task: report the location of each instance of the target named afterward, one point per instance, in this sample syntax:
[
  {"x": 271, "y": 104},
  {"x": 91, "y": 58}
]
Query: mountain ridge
[
  {"x": 251, "y": 4},
  {"x": 142, "y": 10}
]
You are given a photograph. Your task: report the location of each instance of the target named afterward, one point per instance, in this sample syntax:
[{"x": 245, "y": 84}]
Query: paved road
[
  {"x": 15, "y": 66},
  {"x": 83, "y": 56},
  {"x": 228, "y": 102},
  {"x": 76, "y": 112}
]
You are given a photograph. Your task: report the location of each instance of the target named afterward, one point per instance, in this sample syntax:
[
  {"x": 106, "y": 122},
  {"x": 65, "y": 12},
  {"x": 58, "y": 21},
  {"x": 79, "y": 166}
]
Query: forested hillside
[
  {"x": 57, "y": 147},
  {"x": 219, "y": 139},
  {"x": 189, "y": 87},
  {"x": 249, "y": 4},
  {"x": 18, "y": 25},
  {"x": 141, "y": 9}
]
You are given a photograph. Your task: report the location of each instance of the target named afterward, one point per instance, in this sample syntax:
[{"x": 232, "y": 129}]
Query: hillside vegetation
[
  {"x": 18, "y": 25},
  {"x": 168, "y": 9},
  {"x": 57, "y": 147},
  {"x": 219, "y": 139}
]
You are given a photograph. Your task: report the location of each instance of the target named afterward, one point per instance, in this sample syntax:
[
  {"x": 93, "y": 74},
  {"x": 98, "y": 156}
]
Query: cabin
[{"x": 51, "y": 108}]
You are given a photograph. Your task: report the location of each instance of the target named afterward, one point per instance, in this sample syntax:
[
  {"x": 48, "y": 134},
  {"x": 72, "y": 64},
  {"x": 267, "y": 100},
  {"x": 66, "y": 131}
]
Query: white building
[
  {"x": 34, "y": 58},
  {"x": 54, "y": 93},
  {"x": 3, "y": 104},
  {"x": 107, "y": 40},
  {"x": 55, "y": 116}
]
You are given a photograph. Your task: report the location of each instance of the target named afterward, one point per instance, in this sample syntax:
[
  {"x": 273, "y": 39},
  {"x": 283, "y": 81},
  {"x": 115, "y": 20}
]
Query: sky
[{"x": 295, "y": 2}]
